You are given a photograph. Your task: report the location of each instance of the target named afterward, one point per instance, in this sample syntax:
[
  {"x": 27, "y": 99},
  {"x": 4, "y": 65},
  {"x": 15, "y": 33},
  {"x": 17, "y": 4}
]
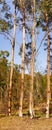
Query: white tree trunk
[
  {"x": 12, "y": 64},
  {"x": 47, "y": 109},
  {"x": 48, "y": 69},
  {"x": 22, "y": 74},
  {"x": 31, "y": 104}
]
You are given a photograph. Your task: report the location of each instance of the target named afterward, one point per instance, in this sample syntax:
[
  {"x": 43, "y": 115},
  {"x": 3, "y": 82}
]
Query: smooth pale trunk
[
  {"x": 47, "y": 109},
  {"x": 48, "y": 80},
  {"x": 12, "y": 65},
  {"x": 22, "y": 75},
  {"x": 31, "y": 103},
  {"x": 10, "y": 89},
  {"x": 48, "y": 69}
]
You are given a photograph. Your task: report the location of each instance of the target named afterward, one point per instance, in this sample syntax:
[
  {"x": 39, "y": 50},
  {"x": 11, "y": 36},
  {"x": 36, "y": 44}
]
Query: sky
[{"x": 41, "y": 56}]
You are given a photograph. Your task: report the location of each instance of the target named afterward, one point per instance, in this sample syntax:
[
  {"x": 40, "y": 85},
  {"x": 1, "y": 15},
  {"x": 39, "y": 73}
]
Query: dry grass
[{"x": 25, "y": 123}]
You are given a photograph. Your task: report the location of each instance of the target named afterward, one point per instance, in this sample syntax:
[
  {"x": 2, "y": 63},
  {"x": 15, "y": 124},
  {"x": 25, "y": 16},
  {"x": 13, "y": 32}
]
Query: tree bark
[
  {"x": 48, "y": 69},
  {"x": 31, "y": 104},
  {"x": 12, "y": 64},
  {"x": 22, "y": 74}
]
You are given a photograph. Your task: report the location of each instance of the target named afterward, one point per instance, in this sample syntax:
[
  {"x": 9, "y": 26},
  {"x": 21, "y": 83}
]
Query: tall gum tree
[
  {"x": 23, "y": 59},
  {"x": 24, "y": 7},
  {"x": 5, "y": 28},
  {"x": 12, "y": 63},
  {"x": 31, "y": 104},
  {"x": 48, "y": 67},
  {"x": 46, "y": 13}
]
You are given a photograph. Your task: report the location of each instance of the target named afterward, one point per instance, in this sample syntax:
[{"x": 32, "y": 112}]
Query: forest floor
[{"x": 25, "y": 123}]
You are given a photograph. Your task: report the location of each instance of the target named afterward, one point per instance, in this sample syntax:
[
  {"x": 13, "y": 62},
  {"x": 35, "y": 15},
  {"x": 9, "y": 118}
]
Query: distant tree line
[{"x": 40, "y": 83}]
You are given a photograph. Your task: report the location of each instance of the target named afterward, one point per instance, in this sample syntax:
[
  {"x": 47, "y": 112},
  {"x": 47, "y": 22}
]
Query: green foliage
[
  {"x": 4, "y": 80},
  {"x": 40, "y": 81},
  {"x": 5, "y": 17},
  {"x": 45, "y": 7},
  {"x": 26, "y": 91},
  {"x": 16, "y": 87},
  {"x": 39, "y": 85},
  {"x": 39, "y": 88},
  {"x": 4, "y": 54},
  {"x": 3, "y": 71},
  {"x": 3, "y": 25}
]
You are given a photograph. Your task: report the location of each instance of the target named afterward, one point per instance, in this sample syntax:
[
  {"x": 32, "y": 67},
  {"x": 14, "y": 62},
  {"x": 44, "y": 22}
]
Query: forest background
[{"x": 40, "y": 71}]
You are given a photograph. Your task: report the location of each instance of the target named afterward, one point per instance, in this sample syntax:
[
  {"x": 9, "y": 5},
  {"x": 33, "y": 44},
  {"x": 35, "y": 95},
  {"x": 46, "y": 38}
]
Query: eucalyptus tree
[
  {"x": 25, "y": 8},
  {"x": 28, "y": 10},
  {"x": 31, "y": 104},
  {"x": 22, "y": 10},
  {"x": 45, "y": 19},
  {"x": 12, "y": 61},
  {"x": 5, "y": 29},
  {"x": 6, "y": 26}
]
